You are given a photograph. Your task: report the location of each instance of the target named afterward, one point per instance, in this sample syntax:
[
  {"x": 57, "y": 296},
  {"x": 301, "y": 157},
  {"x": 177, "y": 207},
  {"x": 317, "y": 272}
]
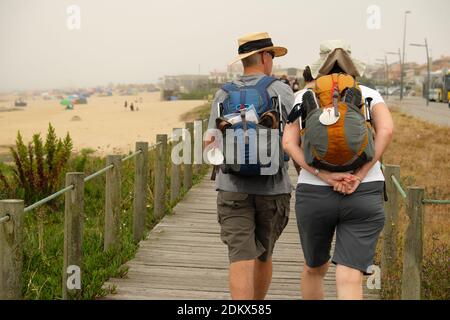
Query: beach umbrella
[
  {"x": 65, "y": 102},
  {"x": 82, "y": 100}
]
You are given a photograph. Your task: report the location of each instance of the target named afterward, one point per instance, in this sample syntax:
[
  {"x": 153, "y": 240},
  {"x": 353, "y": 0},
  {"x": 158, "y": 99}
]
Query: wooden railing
[
  {"x": 411, "y": 288},
  {"x": 12, "y": 216},
  {"x": 12, "y": 211}
]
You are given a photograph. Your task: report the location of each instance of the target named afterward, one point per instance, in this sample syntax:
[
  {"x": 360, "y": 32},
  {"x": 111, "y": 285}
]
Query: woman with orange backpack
[{"x": 340, "y": 186}]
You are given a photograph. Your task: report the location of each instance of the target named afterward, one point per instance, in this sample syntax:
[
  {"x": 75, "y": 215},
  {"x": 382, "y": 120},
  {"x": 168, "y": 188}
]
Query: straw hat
[
  {"x": 332, "y": 51},
  {"x": 257, "y": 42}
]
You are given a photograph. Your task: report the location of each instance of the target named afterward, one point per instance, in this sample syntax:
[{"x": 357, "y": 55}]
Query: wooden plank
[{"x": 186, "y": 246}]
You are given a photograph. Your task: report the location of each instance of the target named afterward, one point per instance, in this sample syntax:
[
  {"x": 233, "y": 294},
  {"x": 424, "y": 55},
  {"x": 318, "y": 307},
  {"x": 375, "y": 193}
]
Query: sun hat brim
[
  {"x": 339, "y": 51},
  {"x": 317, "y": 66},
  {"x": 279, "y": 52}
]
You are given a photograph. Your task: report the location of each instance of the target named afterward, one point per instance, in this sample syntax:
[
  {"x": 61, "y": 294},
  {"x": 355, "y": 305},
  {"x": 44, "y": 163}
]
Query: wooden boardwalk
[{"x": 184, "y": 258}]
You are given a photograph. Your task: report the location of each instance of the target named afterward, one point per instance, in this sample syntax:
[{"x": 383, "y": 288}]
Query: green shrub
[
  {"x": 38, "y": 167},
  {"x": 43, "y": 266}
]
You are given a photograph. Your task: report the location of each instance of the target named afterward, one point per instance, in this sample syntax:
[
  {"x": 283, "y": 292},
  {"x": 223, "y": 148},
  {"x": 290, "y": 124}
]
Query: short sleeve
[
  {"x": 285, "y": 92},
  {"x": 299, "y": 96},
  {"x": 218, "y": 98},
  {"x": 371, "y": 93}
]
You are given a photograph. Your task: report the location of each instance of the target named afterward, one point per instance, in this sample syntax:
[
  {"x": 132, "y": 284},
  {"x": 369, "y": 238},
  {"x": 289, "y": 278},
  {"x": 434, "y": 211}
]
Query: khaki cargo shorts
[{"x": 251, "y": 224}]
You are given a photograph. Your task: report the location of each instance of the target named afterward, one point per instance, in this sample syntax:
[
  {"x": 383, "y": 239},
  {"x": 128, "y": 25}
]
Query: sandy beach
[{"x": 103, "y": 124}]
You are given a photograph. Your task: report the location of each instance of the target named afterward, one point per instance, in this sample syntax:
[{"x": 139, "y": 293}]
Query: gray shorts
[
  {"x": 357, "y": 219},
  {"x": 251, "y": 224}
]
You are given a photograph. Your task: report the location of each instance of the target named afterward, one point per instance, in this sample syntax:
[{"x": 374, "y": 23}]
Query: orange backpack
[{"x": 337, "y": 136}]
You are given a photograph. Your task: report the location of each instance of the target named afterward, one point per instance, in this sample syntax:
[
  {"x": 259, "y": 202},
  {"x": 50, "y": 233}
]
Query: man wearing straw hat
[
  {"x": 346, "y": 203},
  {"x": 253, "y": 210}
]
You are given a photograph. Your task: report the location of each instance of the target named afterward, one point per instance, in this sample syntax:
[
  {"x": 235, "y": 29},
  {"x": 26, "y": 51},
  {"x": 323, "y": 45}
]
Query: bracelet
[
  {"x": 316, "y": 172},
  {"x": 358, "y": 178}
]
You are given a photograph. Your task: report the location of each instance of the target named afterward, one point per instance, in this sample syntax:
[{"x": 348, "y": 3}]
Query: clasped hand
[{"x": 342, "y": 182}]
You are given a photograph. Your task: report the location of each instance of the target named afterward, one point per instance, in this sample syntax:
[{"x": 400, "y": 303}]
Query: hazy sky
[{"x": 136, "y": 41}]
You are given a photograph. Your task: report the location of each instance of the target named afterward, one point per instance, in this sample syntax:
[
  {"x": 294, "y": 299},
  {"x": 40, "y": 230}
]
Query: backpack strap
[
  {"x": 229, "y": 86},
  {"x": 262, "y": 85}
]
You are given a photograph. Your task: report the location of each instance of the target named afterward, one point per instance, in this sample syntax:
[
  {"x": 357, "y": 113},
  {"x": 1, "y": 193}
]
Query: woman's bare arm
[
  {"x": 291, "y": 144},
  {"x": 384, "y": 128}
]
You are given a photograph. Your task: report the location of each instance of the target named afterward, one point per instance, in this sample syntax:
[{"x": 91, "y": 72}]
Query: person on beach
[
  {"x": 252, "y": 210},
  {"x": 348, "y": 204}
]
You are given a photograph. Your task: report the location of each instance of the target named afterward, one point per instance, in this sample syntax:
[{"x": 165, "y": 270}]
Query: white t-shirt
[
  {"x": 374, "y": 174},
  {"x": 299, "y": 96}
]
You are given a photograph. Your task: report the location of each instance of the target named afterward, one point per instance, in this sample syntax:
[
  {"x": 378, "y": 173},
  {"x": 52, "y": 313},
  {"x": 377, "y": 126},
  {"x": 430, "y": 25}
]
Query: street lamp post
[
  {"x": 403, "y": 60},
  {"x": 399, "y": 58},
  {"x": 428, "y": 67},
  {"x": 386, "y": 74}
]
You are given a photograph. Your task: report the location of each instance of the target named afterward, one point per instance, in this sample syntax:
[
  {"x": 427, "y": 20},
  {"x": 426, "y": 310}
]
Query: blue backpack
[
  {"x": 256, "y": 95},
  {"x": 247, "y": 148}
]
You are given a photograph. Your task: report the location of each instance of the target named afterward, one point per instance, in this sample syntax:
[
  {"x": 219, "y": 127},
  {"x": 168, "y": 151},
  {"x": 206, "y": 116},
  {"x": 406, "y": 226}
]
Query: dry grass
[
  {"x": 422, "y": 151},
  {"x": 5, "y": 154},
  {"x": 200, "y": 112}
]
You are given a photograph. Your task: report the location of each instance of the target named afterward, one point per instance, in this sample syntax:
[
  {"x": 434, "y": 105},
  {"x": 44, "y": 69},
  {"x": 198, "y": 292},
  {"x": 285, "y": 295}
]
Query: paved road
[{"x": 438, "y": 113}]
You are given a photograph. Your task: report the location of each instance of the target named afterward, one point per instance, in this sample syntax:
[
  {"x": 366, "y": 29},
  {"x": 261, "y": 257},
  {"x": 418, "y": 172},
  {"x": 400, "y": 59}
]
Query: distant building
[
  {"x": 218, "y": 76},
  {"x": 378, "y": 73},
  {"x": 184, "y": 83},
  {"x": 291, "y": 73},
  {"x": 409, "y": 73},
  {"x": 441, "y": 63},
  {"x": 234, "y": 71}
]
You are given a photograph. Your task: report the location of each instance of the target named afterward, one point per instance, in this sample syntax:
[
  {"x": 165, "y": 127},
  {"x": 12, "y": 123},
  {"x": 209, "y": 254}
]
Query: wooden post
[
  {"x": 198, "y": 146},
  {"x": 11, "y": 249},
  {"x": 160, "y": 176},
  {"x": 73, "y": 236},
  {"x": 205, "y": 125},
  {"x": 413, "y": 247},
  {"x": 205, "y": 128},
  {"x": 175, "y": 179},
  {"x": 112, "y": 202},
  {"x": 140, "y": 191},
  {"x": 187, "y": 178},
  {"x": 389, "y": 247}
]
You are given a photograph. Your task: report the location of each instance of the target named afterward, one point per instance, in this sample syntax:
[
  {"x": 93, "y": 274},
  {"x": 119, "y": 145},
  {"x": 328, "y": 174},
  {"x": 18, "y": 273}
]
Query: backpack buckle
[{"x": 244, "y": 125}]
